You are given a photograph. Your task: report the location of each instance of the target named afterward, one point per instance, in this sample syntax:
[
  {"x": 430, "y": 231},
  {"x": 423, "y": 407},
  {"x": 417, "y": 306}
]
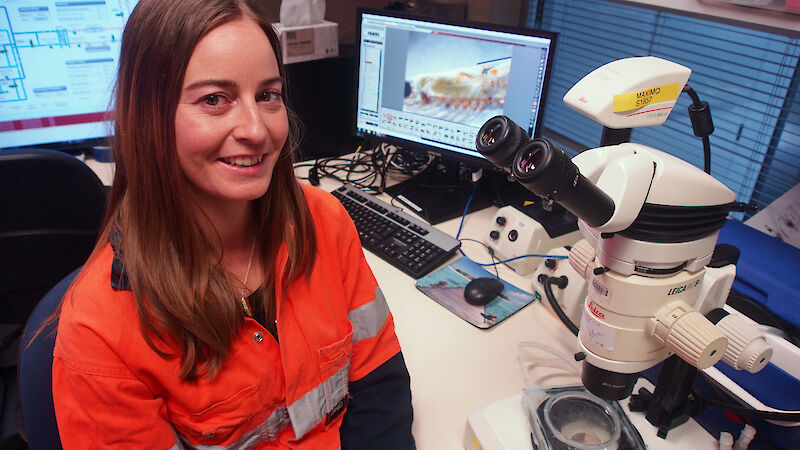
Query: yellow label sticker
[{"x": 639, "y": 99}]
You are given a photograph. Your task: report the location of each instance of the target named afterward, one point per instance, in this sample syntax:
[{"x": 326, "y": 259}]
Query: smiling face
[{"x": 231, "y": 123}]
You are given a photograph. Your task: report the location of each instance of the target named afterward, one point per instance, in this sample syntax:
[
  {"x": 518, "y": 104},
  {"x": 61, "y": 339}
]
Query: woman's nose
[{"x": 250, "y": 125}]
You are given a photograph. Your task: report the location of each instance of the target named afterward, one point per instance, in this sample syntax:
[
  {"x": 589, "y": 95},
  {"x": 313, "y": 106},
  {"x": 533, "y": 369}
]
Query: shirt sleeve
[
  {"x": 379, "y": 414},
  {"x": 98, "y": 402}
]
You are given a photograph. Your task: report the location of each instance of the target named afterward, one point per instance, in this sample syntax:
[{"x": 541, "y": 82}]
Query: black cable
[
  {"x": 751, "y": 412},
  {"x": 561, "y": 282},
  {"x": 776, "y": 321},
  {"x": 382, "y": 168},
  {"x": 700, "y": 115},
  {"x": 722, "y": 394},
  {"x": 488, "y": 250},
  {"x": 313, "y": 174},
  {"x": 738, "y": 409},
  {"x": 706, "y": 155},
  {"x": 357, "y": 171}
]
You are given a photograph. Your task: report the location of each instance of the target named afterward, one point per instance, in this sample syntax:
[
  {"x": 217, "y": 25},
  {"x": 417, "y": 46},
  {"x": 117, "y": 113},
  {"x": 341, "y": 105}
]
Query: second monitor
[{"x": 429, "y": 84}]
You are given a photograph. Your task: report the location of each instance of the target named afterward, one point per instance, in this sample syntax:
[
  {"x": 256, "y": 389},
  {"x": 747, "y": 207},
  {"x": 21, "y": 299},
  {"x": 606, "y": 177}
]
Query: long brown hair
[{"x": 185, "y": 303}]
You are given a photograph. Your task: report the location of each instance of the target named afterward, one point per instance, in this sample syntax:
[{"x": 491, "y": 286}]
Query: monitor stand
[{"x": 440, "y": 192}]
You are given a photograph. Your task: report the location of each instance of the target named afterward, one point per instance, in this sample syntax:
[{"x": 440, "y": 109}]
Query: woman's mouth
[{"x": 243, "y": 161}]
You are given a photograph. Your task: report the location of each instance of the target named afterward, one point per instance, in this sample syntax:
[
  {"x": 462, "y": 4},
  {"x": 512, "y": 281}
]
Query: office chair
[
  {"x": 35, "y": 371},
  {"x": 51, "y": 209}
]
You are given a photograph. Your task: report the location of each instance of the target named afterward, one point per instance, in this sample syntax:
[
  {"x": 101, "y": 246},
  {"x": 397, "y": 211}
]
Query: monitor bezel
[{"x": 437, "y": 151}]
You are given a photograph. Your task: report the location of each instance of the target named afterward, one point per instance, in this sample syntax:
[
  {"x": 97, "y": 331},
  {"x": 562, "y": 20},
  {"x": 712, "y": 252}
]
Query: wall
[
  {"x": 343, "y": 12},
  {"x": 787, "y": 24}
]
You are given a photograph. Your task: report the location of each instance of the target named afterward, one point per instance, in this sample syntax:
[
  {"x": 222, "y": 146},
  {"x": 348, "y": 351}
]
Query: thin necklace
[{"x": 245, "y": 306}]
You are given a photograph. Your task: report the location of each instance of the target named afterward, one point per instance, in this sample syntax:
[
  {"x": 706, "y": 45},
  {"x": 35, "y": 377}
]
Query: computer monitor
[
  {"x": 429, "y": 84},
  {"x": 58, "y": 62}
]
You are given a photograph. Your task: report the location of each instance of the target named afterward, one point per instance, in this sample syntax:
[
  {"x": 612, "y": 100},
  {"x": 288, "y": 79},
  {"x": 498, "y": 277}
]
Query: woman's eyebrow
[
  {"x": 210, "y": 82},
  {"x": 228, "y": 83},
  {"x": 272, "y": 80}
]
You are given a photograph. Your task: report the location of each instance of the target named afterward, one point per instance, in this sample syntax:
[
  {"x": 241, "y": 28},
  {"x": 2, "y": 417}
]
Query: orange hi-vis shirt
[{"x": 111, "y": 389}]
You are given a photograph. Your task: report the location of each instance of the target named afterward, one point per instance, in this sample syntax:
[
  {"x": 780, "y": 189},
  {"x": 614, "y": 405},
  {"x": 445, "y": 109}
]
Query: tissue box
[{"x": 307, "y": 42}]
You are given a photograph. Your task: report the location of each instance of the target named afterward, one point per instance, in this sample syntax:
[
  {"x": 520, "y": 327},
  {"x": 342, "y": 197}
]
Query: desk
[{"x": 455, "y": 367}]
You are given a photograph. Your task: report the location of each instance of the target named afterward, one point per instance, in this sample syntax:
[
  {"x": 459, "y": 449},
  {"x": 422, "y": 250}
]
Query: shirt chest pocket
[
  {"x": 335, "y": 371},
  {"x": 220, "y": 421}
]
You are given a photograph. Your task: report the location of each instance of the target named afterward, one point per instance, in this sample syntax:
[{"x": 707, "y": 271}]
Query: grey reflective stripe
[
  {"x": 368, "y": 319},
  {"x": 277, "y": 421},
  {"x": 309, "y": 410},
  {"x": 264, "y": 432}
]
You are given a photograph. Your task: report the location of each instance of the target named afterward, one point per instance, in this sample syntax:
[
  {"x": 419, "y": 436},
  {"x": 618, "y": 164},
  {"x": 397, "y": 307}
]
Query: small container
[
  {"x": 576, "y": 420},
  {"x": 569, "y": 417}
]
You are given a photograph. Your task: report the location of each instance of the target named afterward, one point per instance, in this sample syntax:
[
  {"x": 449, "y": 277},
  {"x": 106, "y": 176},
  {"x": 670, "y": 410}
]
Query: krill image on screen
[{"x": 456, "y": 79}]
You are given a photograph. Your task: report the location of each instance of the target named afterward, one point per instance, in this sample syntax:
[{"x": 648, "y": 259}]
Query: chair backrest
[
  {"x": 35, "y": 371},
  {"x": 51, "y": 209}
]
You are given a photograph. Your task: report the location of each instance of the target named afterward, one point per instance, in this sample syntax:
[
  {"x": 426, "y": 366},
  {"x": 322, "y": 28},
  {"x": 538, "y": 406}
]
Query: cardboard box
[{"x": 307, "y": 42}]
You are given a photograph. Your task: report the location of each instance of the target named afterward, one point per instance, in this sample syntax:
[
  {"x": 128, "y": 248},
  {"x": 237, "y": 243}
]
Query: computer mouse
[{"x": 481, "y": 291}]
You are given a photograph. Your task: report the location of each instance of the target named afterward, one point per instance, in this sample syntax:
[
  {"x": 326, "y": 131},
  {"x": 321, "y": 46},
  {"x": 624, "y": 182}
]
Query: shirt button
[
  {"x": 209, "y": 435},
  {"x": 258, "y": 336}
]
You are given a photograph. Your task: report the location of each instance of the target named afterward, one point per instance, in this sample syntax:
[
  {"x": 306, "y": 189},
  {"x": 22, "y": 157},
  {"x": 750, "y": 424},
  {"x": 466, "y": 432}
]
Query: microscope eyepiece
[
  {"x": 530, "y": 159},
  {"x": 544, "y": 169},
  {"x": 491, "y": 135},
  {"x": 540, "y": 165},
  {"x": 498, "y": 140}
]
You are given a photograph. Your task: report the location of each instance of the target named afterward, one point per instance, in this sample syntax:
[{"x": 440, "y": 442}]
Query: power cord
[
  {"x": 489, "y": 250},
  {"x": 703, "y": 126},
  {"x": 369, "y": 168},
  {"x": 561, "y": 282},
  {"x": 741, "y": 302}
]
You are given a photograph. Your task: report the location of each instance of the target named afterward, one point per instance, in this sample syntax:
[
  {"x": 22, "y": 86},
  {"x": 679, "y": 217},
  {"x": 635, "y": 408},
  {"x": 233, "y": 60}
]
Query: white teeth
[{"x": 244, "y": 161}]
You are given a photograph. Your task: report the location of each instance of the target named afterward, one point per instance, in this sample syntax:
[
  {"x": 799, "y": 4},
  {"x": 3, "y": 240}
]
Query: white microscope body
[{"x": 650, "y": 223}]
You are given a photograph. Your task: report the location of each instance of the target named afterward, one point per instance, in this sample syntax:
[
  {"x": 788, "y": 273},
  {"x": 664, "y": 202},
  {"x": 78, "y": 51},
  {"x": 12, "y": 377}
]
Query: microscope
[{"x": 649, "y": 223}]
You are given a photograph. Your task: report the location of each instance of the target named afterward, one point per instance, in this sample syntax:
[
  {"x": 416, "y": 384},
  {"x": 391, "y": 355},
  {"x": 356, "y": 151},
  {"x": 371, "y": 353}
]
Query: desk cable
[
  {"x": 368, "y": 169},
  {"x": 489, "y": 249}
]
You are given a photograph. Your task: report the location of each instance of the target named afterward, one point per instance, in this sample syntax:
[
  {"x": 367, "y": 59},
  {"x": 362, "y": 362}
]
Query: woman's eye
[
  {"x": 268, "y": 96},
  {"x": 211, "y": 100}
]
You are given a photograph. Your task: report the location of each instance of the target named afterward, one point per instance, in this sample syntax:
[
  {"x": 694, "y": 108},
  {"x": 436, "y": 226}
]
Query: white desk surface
[{"x": 456, "y": 367}]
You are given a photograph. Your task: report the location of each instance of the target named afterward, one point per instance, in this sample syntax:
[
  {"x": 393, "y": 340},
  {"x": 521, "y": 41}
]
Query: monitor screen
[
  {"x": 58, "y": 62},
  {"x": 431, "y": 83}
]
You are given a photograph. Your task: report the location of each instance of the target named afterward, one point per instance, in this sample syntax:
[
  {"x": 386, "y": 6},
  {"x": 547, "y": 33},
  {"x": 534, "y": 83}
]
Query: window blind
[{"x": 748, "y": 77}]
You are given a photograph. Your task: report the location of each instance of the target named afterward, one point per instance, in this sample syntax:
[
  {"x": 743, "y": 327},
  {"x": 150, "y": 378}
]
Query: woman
[{"x": 224, "y": 304}]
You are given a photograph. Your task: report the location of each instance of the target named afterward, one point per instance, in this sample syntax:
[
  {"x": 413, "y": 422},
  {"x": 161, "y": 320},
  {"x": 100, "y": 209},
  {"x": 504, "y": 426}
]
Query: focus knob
[
  {"x": 747, "y": 349},
  {"x": 688, "y": 334}
]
